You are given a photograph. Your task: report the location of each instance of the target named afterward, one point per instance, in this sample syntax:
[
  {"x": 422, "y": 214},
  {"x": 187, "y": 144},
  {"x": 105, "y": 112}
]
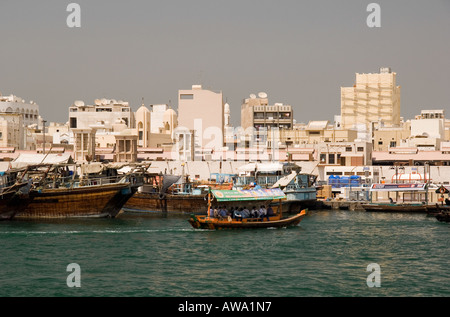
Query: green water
[{"x": 153, "y": 255}]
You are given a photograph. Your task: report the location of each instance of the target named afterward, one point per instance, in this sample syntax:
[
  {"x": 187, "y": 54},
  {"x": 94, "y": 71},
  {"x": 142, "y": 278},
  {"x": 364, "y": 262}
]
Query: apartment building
[
  {"x": 202, "y": 111},
  {"x": 372, "y": 98}
]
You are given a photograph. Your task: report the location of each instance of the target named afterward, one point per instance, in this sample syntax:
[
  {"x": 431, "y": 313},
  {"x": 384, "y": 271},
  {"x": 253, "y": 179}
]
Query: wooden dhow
[
  {"x": 58, "y": 193},
  {"x": 171, "y": 193},
  {"x": 14, "y": 193}
]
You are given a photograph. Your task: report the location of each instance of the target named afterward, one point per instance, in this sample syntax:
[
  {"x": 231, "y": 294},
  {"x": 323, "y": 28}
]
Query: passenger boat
[
  {"x": 14, "y": 193},
  {"x": 408, "y": 198},
  {"x": 245, "y": 198},
  {"x": 57, "y": 193},
  {"x": 299, "y": 188}
]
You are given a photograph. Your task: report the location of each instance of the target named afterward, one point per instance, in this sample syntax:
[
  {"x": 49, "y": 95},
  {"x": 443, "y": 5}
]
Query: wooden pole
[{"x": 209, "y": 202}]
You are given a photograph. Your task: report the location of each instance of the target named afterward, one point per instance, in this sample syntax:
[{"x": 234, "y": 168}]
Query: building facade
[
  {"x": 373, "y": 97},
  {"x": 104, "y": 111},
  {"x": 14, "y": 104},
  {"x": 202, "y": 111}
]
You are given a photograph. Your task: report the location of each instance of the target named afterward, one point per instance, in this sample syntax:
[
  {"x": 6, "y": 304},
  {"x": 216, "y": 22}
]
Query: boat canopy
[
  {"x": 241, "y": 194},
  {"x": 398, "y": 187},
  {"x": 286, "y": 180}
]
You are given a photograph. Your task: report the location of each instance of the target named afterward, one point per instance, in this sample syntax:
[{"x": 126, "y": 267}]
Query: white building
[
  {"x": 104, "y": 111},
  {"x": 14, "y": 104}
]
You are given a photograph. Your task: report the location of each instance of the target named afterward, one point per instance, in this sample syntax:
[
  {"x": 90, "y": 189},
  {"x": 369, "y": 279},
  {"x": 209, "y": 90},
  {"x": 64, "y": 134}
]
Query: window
[
  {"x": 393, "y": 144},
  {"x": 331, "y": 159},
  {"x": 186, "y": 96},
  {"x": 323, "y": 158},
  {"x": 73, "y": 123},
  {"x": 380, "y": 142},
  {"x": 348, "y": 149},
  {"x": 360, "y": 149},
  {"x": 141, "y": 135}
]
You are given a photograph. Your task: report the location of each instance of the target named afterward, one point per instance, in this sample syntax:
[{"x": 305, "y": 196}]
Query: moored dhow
[
  {"x": 171, "y": 193},
  {"x": 58, "y": 193}
]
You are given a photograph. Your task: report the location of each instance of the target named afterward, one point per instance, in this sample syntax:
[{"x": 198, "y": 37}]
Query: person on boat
[
  {"x": 254, "y": 212},
  {"x": 245, "y": 213},
  {"x": 212, "y": 211},
  {"x": 447, "y": 201},
  {"x": 238, "y": 214},
  {"x": 270, "y": 212},
  {"x": 216, "y": 212},
  {"x": 223, "y": 213},
  {"x": 263, "y": 213}
]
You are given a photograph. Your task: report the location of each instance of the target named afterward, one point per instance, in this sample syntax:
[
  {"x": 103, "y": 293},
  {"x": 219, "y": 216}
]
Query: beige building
[
  {"x": 257, "y": 113},
  {"x": 390, "y": 137},
  {"x": 84, "y": 145},
  {"x": 11, "y": 130},
  {"x": 202, "y": 111},
  {"x": 164, "y": 135},
  {"x": 312, "y": 133},
  {"x": 373, "y": 97},
  {"x": 344, "y": 153},
  {"x": 126, "y": 147},
  {"x": 426, "y": 133}
]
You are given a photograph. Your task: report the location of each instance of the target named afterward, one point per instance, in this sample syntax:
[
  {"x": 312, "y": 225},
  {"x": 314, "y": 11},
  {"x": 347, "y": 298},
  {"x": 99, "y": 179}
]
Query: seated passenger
[
  {"x": 245, "y": 213},
  {"x": 263, "y": 213},
  {"x": 238, "y": 214},
  {"x": 270, "y": 212},
  {"x": 254, "y": 213},
  {"x": 223, "y": 212}
]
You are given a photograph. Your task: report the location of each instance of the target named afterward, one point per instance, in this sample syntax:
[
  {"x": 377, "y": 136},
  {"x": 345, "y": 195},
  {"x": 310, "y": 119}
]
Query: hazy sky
[{"x": 298, "y": 52}]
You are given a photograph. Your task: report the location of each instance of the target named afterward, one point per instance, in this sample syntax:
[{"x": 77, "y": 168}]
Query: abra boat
[
  {"x": 57, "y": 194},
  {"x": 246, "y": 198},
  {"x": 14, "y": 193}
]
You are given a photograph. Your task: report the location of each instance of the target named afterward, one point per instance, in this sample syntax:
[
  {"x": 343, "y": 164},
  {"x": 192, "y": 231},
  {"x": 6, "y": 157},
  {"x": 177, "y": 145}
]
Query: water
[{"x": 153, "y": 255}]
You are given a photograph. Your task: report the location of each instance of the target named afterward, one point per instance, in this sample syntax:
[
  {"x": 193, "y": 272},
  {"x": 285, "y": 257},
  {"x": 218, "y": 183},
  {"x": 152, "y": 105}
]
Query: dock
[{"x": 340, "y": 204}]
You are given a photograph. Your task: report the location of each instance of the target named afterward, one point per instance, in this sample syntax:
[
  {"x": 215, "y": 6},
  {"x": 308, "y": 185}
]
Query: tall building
[
  {"x": 373, "y": 98},
  {"x": 202, "y": 111}
]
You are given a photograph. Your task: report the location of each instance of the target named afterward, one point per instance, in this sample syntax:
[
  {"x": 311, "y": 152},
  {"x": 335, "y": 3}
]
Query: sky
[{"x": 298, "y": 52}]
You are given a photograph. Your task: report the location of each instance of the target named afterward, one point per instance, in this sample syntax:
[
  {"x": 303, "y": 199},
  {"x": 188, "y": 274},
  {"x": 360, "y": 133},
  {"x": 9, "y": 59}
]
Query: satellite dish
[
  {"x": 262, "y": 95},
  {"x": 79, "y": 103},
  {"x": 253, "y": 96}
]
